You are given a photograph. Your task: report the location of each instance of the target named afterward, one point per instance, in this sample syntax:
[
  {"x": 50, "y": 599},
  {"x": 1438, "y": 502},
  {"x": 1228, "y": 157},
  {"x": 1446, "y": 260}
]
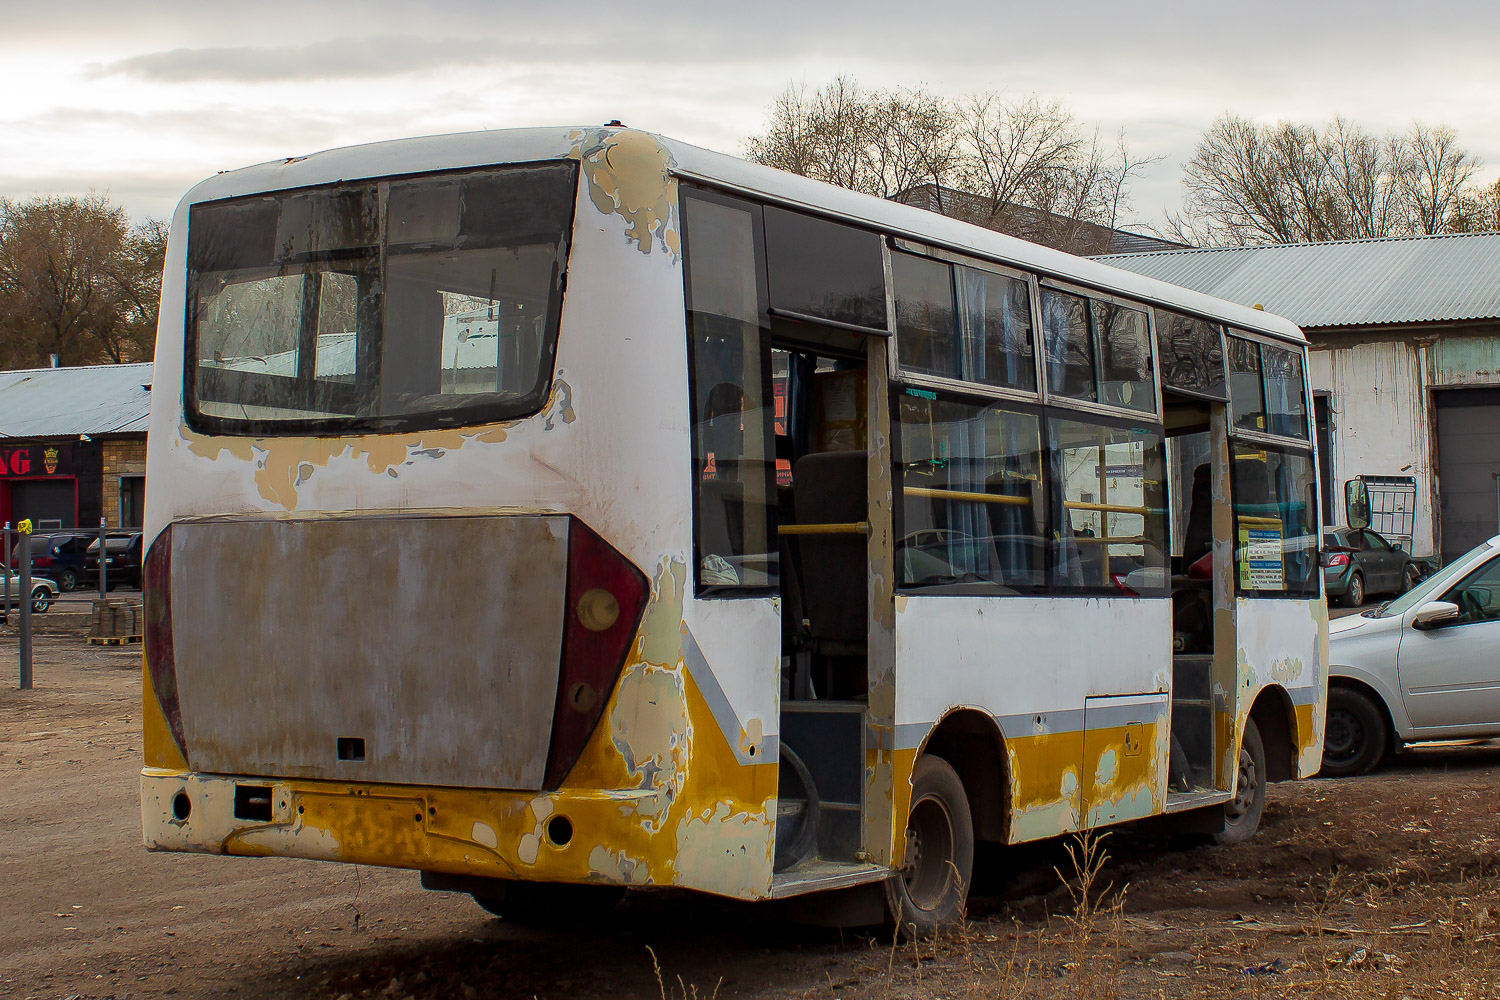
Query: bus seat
[{"x": 831, "y": 489}]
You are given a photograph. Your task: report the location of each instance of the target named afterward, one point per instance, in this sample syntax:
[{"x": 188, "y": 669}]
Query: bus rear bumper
[{"x": 582, "y": 836}]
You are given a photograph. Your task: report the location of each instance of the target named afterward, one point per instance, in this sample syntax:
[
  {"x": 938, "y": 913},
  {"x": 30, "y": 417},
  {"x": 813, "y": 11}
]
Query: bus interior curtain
[{"x": 968, "y": 549}]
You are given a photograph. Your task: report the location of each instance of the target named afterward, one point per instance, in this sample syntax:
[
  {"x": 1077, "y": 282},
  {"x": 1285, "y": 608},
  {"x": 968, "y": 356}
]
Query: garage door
[
  {"x": 48, "y": 503},
  {"x": 1468, "y": 467}
]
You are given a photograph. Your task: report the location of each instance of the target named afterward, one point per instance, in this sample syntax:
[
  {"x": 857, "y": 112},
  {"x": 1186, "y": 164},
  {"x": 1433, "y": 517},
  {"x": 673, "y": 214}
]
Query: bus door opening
[
  {"x": 822, "y": 468},
  {"x": 1191, "y": 460}
]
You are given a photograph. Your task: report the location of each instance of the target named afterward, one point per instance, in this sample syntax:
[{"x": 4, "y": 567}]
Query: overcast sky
[{"x": 141, "y": 100}]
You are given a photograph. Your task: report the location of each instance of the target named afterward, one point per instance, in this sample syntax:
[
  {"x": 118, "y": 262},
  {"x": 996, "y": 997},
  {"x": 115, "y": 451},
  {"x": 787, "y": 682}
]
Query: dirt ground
[{"x": 1387, "y": 885}]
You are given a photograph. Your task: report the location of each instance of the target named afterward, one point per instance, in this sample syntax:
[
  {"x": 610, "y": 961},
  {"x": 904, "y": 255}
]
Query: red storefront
[{"x": 50, "y": 482}]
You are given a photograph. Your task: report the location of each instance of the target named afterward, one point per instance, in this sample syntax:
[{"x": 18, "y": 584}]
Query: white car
[{"x": 1423, "y": 667}]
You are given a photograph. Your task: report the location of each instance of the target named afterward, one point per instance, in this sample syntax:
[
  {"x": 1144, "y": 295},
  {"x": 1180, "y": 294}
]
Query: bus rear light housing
[
  {"x": 605, "y": 597},
  {"x": 156, "y": 587}
]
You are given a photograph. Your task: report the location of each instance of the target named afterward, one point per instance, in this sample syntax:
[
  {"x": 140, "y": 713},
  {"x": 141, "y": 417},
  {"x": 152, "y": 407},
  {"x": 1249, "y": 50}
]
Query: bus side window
[
  {"x": 1112, "y": 529},
  {"x": 972, "y": 504},
  {"x": 732, "y": 401}
]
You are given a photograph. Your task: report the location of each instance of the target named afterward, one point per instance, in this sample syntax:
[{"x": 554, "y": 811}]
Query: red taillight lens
[
  {"x": 41, "y": 562},
  {"x": 1202, "y": 568},
  {"x": 1338, "y": 559},
  {"x": 605, "y": 598},
  {"x": 156, "y": 584}
]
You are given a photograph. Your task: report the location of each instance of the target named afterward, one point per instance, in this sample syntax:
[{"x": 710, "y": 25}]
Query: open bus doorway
[
  {"x": 822, "y": 495},
  {"x": 1194, "y": 464}
]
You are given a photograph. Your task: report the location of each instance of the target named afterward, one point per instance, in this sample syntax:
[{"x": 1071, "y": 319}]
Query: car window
[
  {"x": 1477, "y": 595},
  {"x": 1375, "y": 542}
]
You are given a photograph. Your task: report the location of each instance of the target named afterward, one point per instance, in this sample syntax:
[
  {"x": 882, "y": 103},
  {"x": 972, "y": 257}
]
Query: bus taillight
[
  {"x": 156, "y": 586},
  {"x": 605, "y": 598}
]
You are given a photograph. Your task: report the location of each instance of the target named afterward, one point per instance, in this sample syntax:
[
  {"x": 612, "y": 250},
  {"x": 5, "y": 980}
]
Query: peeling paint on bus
[{"x": 629, "y": 174}]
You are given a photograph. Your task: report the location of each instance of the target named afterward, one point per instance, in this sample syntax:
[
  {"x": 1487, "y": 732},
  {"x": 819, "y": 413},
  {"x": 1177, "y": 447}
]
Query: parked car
[
  {"x": 43, "y": 592},
  {"x": 1362, "y": 562},
  {"x": 1423, "y": 667},
  {"x": 122, "y": 560},
  {"x": 57, "y": 555}
]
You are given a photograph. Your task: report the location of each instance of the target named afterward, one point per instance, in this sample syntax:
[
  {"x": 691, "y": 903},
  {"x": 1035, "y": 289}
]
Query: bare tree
[
  {"x": 1294, "y": 183},
  {"x": 1476, "y": 211},
  {"x": 1021, "y": 166},
  {"x": 1431, "y": 174},
  {"x": 76, "y": 281}
]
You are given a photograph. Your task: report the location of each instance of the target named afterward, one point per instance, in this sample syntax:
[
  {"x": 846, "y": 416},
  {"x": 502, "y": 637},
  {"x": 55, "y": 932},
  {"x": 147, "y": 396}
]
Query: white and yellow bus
[{"x": 561, "y": 510}]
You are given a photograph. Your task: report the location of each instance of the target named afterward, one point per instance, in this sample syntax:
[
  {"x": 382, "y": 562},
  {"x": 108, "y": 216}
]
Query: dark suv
[
  {"x": 122, "y": 560},
  {"x": 57, "y": 555}
]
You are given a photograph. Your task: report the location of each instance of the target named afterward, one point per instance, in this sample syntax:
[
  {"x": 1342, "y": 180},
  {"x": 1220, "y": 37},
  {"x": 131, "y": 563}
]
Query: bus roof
[{"x": 475, "y": 149}]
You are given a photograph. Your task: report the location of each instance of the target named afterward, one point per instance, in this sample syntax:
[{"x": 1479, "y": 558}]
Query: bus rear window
[{"x": 395, "y": 304}]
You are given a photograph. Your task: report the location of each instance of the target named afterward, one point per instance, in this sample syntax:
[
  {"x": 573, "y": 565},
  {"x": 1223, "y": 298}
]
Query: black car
[
  {"x": 56, "y": 555},
  {"x": 1362, "y": 562},
  {"x": 122, "y": 560}
]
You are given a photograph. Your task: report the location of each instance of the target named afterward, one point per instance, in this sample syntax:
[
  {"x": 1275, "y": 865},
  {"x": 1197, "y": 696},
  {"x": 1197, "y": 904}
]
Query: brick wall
[{"x": 122, "y": 457}]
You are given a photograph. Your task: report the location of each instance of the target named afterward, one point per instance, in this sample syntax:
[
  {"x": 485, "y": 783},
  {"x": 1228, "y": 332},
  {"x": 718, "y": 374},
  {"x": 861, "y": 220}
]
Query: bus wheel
[
  {"x": 546, "y": 903},
  {"x": 939, "y": 857},
  {"x": 1242, "y": 813}
]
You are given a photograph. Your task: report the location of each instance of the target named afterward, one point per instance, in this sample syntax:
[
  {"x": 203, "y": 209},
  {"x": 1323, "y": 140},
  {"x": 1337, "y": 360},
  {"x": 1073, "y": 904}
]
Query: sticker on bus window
[{"x": 1261, "y": 558}]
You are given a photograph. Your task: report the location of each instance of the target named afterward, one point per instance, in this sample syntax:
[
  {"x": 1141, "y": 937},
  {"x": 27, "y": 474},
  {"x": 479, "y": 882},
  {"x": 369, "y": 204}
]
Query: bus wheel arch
[
  {"x": 972, "y": 744},
  {"x": 1276, "y": 720}
]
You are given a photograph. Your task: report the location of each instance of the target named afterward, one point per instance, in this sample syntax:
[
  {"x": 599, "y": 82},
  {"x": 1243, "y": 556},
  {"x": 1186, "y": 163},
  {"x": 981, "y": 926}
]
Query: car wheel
[
  {"x": 1355, "y": 595},
  {"x": 542, "y": 903},
  {"x": 1355, "y": 736},
  {"x": 68, "y": 581},
  {"x": 1242, "y": 813},
  {"x": 1410, "y": 578},
  {"x": 939, "y": 856},
  {"x": 41, "y": 600}
]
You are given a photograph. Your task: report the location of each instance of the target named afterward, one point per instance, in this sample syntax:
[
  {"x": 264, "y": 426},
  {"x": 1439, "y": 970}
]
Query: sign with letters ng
[{"x": 35, "y": 461}]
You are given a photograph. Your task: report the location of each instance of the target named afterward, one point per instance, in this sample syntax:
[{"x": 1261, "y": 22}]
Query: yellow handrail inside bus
[
  {"x": 1108, "y": 508},
  {"x": 927, "y": 491},
  {"x": 853, "y": 528}
]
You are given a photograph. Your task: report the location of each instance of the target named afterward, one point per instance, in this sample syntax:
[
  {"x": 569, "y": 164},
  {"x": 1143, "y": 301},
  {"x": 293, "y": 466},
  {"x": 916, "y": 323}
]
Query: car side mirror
[
  {"x": 1356, "y": 503},
  {"x": 1434, "y": 613},
  {"x": 1395, "y": 546}
]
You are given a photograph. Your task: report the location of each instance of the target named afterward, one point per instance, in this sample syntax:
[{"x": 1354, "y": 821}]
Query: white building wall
[{"x": 1378, "y": 408}]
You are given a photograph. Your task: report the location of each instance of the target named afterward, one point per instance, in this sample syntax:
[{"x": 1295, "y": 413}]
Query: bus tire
[
  {"x": 938, "y": 860},
  {"x": 541, "y": 904},
  {"x": 1242, "y": 813},
  {"x": 1355, "y": 736}
]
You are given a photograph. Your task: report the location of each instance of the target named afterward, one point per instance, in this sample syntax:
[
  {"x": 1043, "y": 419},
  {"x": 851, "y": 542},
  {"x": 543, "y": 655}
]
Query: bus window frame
[
  {"x": 1222, "y": 328},
  {"x": 897, "y": 244},
  {"x": 1264, "y": 340},
  {"x": 1058, "y": 501},
  {"x": 967, "y": 396},
  {"x": 370, "y": 352},
  {"x": 1086, "y": 406},
  {"x": 1284, "y": 446},
  {"x": 727, "y": 199}
]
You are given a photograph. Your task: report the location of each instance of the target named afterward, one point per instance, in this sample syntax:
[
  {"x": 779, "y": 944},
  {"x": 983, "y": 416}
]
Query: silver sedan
[
  {"x": 43, "y": 592},
  {"x": 1421, "y": 668}
]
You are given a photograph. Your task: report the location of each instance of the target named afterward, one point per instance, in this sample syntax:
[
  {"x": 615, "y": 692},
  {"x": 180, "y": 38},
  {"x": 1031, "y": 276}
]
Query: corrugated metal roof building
[
  {"x": 73, "y": 445},
  {"x": 1404, "y": 357}
]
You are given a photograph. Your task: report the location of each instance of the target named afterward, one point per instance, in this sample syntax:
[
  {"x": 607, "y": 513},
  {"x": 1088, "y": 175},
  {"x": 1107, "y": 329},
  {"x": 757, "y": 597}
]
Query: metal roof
[
  {"x": 1419, "y": 279},
  {"x": 62, "y": 402}
]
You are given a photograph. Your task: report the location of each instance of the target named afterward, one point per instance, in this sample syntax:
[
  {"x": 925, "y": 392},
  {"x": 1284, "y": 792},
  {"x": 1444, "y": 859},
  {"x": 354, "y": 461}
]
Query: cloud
[{"x": 383, "y": 56}]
